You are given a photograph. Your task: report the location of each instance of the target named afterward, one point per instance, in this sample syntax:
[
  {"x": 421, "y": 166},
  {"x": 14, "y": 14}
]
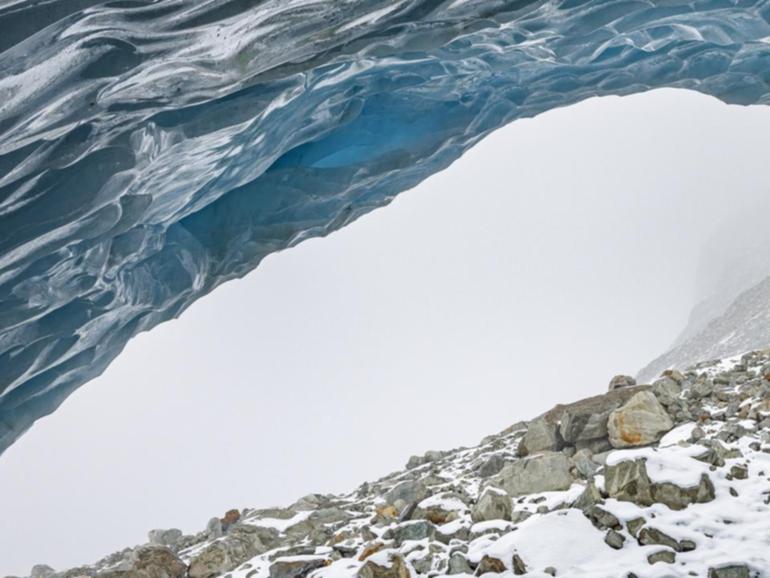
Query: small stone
[
  {"x": 621, "y": 381},
  {"x": 518, "y": 565},
  {"x": 489, "y": 564},
  {"x": 739, "y": 472},
  {"x": 370, "y": 549},
  {"x": 652, "y": 536},
  {"x": 295, "y": 568},
  {"x": 666, "y": 556},
  {"x": 602, "y": 519},
  {"x": 730, "y": 571},
  {"x": 550, "y": 570},
  {"x": 614, "y": 539},
  {"x": 397, "y": 568},
  {"x": 635, "y": 525}
]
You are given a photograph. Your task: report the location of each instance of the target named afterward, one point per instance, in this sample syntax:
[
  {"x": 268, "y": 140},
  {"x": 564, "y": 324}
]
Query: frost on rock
[
  {"x": 695, "y": 502},
  {"x": 150, "y": 151}
]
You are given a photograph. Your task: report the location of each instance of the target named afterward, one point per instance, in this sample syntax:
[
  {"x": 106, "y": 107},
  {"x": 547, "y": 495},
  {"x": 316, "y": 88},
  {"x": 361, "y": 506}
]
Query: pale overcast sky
[{"x": 558, "y": 252}]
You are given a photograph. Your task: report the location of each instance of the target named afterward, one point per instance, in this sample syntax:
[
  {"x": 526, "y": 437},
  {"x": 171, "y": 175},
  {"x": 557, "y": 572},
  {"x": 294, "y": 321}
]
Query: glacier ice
[{"x": 151, "y": 150}]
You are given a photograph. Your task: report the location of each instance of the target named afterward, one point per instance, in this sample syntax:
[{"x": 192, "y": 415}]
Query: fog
[{"x": 560, "y": 251}]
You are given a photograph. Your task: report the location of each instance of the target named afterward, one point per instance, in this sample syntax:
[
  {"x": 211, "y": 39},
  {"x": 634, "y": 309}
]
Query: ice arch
[{"x": 151, "y": 150}]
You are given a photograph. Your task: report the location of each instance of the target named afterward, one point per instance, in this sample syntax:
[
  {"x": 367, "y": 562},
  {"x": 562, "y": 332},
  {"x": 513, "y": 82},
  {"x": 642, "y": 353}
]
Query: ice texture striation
[{"x": 151, "y": 150}]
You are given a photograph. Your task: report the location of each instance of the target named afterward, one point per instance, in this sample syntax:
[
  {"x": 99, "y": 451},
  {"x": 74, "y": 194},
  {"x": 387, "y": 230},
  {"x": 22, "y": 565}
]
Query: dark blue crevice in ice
[{"x": 151, "y": 150}]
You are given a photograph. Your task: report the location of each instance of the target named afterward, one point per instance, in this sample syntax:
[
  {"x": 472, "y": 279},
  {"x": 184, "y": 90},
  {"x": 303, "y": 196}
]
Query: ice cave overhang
[{"x": 151, "y": 150}]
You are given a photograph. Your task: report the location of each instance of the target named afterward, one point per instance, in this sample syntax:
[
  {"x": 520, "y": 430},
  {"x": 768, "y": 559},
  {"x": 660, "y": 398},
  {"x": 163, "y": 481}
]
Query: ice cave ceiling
[{"x": 151, "y": 150}]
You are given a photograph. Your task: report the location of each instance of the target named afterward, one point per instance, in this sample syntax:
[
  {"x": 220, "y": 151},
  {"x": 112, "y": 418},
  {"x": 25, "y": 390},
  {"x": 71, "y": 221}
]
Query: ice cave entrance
[{"x": 559, "y": 251}]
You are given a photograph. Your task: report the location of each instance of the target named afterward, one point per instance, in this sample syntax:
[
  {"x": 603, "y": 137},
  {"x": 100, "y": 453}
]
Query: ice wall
[{"x": 151, "y": 150}]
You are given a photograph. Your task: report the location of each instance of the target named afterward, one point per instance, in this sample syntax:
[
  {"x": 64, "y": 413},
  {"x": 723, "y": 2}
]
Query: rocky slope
[
  {"x": 662, "y": 480},
  {"x": 744, "y": 325}
]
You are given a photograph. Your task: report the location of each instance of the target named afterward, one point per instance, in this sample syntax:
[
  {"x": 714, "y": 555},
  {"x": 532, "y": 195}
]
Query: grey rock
[
  {"x": 667, "y": 390},
  {"x": 635, "y": 525},
  {"x": 665, "y": 556},
  {"x": 584, "y": 422},
  {"x": 242, "y": 543},
  {"x": 518, "y": 566},
  {"x": 542, "y": 435},
  {"x": 409, "y": 491},
  {"x": 584, "y": 465},
  {"x": 214, "y": 529},
  {"x": 642, "y": 420},
  {"x": 170, "y": 537},
  {"x": 621, "y": 381},
  {"x": 545, "y": 472},
  {"x": 41, "y": 571},
  {"x": 458, "y": 564},
  {"x": 492, "y": 466},
  {"x": 295, "y": 568},
  {"x": 614, "y": 539},
  {"x": 730, "y": 571},
  {"x": 652, "y": 536},
  {"x": 602, "y": 519},
  {"x": 492, "y": 505},
  {"x": 701, "y": 388},
  {"x": 678, "y": 498},
  {"x": 415, "y": 530},
  {"x": 590, "y": 497},
  {"x": 628, "y": 481}
]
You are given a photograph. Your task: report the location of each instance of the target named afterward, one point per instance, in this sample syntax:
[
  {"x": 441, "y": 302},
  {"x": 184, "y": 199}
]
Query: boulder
[
  {"x": 492, "y": 505},
  {"x": 168, "y": 537},
  {"x": 584, "y": 422},
  {"x": 416, "y": 530},
  {"x": 149, "y": 562},
  {"x": 396, "y": 568},
  {"x": 621, "y": 381},
  {"x": 41, "y": 571},
  {"x": 642, "y": 420},
  {"x": 544, "y": 472},
  {"x": 678, "y": 498},
  {"x": 409, "y": 491},
  {"x": 296, "y": 568},
  {"x": 667, "y": 390},
  {"x": 491, "y": 466},
  {"x": 542, "y": 435},
  {"x": 628, "y": 481}
]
